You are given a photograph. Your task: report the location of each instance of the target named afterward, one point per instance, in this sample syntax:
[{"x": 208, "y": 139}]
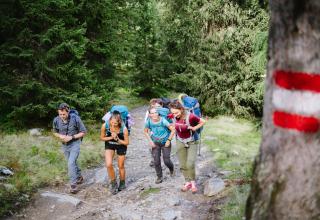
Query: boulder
[{"x": 213, "y": 186}]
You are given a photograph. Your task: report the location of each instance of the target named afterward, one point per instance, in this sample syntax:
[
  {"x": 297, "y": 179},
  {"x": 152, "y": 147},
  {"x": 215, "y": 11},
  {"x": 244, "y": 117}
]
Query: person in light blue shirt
[{"x": 159, "y": 133}]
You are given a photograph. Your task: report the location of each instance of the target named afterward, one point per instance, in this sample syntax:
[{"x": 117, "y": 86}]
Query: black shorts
[{"x": 121, "y": 149}]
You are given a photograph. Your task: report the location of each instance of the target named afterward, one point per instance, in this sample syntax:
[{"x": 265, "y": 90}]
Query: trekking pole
[{"x": 199, "y": 145}]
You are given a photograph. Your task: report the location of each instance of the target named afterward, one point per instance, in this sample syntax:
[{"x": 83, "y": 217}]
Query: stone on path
[
  {"x": 62, "y": 198},
  {"x": 35, "y": 131},
  {"x": 225, "y": 173},
  {"x": 213, "y": 186}
]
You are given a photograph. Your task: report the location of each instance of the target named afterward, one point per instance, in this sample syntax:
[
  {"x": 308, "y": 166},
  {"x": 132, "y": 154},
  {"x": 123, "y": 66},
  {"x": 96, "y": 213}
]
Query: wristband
[
  {"x": 169, "y": 139},
  {"x": 73, "y": 137}
]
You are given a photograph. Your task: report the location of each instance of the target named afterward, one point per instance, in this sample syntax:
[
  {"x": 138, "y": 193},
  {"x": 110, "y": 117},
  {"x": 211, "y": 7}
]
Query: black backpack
[{"x": 166, "y": 102}]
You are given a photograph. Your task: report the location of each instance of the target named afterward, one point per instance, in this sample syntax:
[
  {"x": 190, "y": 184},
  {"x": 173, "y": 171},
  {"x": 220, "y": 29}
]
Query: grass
[
  {"x": 235, "y": 143},
  {"x": 37, "y": 162},
  {"x": 149, "y": 191}
]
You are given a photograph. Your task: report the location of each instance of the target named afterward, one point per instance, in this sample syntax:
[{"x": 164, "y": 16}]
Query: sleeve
[
  {"x": 194, "y": 120},
  {"x": 81, "y": 126},
  {"x": 147, "y": 124},
  {"x": 165, "y": 122},
  {"x": 55, "y": 125}
]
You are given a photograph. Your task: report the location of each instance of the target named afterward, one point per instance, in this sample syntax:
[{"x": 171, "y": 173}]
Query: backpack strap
[
  {"x": 107, "y": 126},
  {"x": 121, "y": 129},
  {"x": 188, "y": 122}
]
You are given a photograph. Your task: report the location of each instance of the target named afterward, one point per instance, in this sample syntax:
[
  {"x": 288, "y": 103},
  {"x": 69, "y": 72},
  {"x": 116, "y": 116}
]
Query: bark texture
[{"x": 286, "y": 179}]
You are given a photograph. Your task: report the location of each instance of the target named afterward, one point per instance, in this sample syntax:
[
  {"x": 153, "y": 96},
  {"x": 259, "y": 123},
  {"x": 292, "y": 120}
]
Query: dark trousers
[{"x": 156, "y": 153}]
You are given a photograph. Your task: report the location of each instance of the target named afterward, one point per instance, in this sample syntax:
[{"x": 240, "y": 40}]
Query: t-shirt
[
  {"x": 73, "y": 126},
  {"x": 159, "y": 130},
  {"x": 182, "y": 128}
]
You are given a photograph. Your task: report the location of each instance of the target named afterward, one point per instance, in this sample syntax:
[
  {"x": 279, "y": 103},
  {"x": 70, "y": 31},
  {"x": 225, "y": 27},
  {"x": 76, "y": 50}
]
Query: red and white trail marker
[{"x": 296, "y": 100}]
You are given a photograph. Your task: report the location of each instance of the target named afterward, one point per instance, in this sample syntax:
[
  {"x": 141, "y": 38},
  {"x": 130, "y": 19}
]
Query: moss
[{"x": 149, "y": 191}]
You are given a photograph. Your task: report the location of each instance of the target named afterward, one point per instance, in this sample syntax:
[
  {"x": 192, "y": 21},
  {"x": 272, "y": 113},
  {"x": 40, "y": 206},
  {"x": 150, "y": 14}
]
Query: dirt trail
[{"x": 143, "y": 199}]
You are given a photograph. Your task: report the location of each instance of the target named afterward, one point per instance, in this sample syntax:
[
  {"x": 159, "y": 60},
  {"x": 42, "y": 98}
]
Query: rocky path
[{"x": 143, "y": 199}]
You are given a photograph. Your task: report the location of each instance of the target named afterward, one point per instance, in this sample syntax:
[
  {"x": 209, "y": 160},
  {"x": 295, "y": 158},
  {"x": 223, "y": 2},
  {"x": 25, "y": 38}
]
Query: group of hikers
[{"x": 180, "y": 118}]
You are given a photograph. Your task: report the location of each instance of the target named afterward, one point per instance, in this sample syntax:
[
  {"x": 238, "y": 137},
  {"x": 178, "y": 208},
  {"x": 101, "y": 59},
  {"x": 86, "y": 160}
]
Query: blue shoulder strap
[{"x": 108, "y": 127}]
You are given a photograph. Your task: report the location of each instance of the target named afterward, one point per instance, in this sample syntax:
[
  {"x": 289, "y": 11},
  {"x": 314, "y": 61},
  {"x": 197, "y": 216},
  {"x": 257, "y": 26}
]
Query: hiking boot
[
  {"x": 73, "y": 189},
  {"x": 80, "y": 180},
  {"x": 122, "y": 185},
  {"x": 186, "y": 187},
  {"x": 172, "y": 173},
  {"x": 113, "y": 187},
  {"x": 194, "y": 188},
  {"x": 151, "y": 164},
  {"x": 159, "y": 180}
]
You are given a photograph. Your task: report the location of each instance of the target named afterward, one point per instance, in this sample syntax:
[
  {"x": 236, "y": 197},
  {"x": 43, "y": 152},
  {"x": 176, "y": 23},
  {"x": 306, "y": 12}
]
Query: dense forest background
[{"x": 81, "y": 52}]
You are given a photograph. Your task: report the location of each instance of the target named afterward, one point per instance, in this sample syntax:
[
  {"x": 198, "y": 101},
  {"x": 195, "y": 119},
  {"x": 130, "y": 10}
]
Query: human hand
[
  {"x": 62, "y": 136},
  {"x": 192, "y": 128},
  {"x": 152, "y": 144},
  {"x": 67, "y": 138},
  {"x": 114, "y": 135},
  {"x": 167, "y": 144}
]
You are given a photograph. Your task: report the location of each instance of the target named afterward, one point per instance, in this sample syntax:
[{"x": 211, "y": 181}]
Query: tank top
[{"x": 113, "y": 143}]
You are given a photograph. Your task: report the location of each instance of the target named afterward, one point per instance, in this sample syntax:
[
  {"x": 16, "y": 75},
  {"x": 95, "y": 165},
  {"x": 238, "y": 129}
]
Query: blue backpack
[
  {"x": 75, "y": 114},
  {"x": 124, "y": 113},
  {"x": 164, "y": 113},
  {"x": 123, "y": 110},
  {"x": 192, "y": 105}
]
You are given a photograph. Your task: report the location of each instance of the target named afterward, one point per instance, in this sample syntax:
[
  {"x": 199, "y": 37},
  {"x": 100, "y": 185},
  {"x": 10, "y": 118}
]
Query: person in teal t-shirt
[{"x": 159, "y": 133}]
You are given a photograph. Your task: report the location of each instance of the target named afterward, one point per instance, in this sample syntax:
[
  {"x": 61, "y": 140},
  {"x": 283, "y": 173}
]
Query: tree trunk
[{"x": 286, "y": 178}]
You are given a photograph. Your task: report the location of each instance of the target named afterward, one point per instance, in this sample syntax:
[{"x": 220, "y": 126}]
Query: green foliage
[
  {"x": 63, "y": 51},
  {"x": 219, "y": 53},
  {"x": 234, "y": 144},
  {"x": 79, "y": 52}
]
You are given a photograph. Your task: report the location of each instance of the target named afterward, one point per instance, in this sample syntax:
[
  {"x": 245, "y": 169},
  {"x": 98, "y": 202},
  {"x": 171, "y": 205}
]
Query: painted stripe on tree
[
  {"x": 299, "y": 102},
  {"x": 296, "y": 100},
  {"x": 296, "y": 122},
  {"x": 297, "y": 80}
]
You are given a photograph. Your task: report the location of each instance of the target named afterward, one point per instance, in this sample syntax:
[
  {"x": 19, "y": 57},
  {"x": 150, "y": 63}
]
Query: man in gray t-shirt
[{"x": 69, "y": 129}]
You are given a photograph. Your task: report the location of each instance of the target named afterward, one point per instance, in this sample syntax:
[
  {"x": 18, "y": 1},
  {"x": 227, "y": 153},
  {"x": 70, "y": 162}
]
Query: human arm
[
  {"x": 199, "y": 121},
  {"x": 61, "y": 137},
  {"x": 80, "y": 129},
  {"x": 146, "y": 132},
  {"x": 172, "y": 132},
  {"x": 103, "y": 136},
  {"x": 55, "y": 129},
  {"x": 126, "y": 138}
]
